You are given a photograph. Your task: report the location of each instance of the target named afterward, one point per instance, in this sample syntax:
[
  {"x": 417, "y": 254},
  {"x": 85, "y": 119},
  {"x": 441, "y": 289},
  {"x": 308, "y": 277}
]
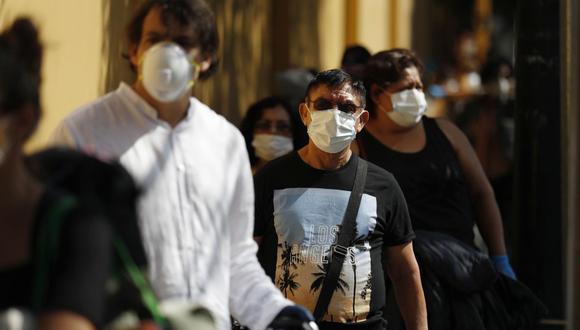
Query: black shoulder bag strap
[{"x": 345, "y": 238}]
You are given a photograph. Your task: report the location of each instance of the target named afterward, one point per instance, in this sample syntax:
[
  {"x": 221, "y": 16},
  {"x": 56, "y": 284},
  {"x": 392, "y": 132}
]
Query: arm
[
  {"x": 254, "y": 300},
  {"x": 403, "y": 270},
  {"x": 64, "y": 320},
  {"x": 486, "y": 210}
]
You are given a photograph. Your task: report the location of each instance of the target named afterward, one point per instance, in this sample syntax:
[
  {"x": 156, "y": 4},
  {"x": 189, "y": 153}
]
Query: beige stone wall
[
  {"x": 71, "y": 31},
  {"x": 384, "y": 24},
  {"x": 375, "y": 24}
]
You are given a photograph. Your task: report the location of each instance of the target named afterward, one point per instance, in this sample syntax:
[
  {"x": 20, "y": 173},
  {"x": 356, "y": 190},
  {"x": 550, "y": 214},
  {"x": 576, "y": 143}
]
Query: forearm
[
  {"x": 411, "y": 300},
  {"x": 254, "y": 300},
  {"x": 490, "y": 224}
]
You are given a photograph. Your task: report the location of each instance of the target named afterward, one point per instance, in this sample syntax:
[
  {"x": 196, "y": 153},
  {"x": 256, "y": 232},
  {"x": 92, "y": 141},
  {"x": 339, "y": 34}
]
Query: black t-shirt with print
[{"x": 298, "y": 213}]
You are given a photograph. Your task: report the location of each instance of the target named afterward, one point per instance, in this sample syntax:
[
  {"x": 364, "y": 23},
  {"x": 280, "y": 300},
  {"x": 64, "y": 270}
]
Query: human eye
[
  {"x": 262, "y": 125},
  {"x": 185, "y": 43},
  {"x": 152, "y": 39},
  {"x": 347, "y": 108},
  {"x": 283, "y": 127},
  {"x": 322, "y": 104}
]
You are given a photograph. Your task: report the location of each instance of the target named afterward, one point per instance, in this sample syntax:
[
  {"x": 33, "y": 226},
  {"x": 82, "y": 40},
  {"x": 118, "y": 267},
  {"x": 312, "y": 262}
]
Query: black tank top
[{"x": 431, "y": 179}]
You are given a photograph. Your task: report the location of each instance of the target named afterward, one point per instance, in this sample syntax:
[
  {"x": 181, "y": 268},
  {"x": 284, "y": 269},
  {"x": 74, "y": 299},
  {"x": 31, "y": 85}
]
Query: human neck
[
  {"x": 172, "y": 113},
  {"x": 19, "y": 190},
  {"x": 321, "y": 160},
  {"x": 258, "y": 165}
]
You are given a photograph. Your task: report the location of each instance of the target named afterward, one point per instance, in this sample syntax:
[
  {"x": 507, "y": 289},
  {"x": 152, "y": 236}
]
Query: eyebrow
[{"x": 348, "y": 101}]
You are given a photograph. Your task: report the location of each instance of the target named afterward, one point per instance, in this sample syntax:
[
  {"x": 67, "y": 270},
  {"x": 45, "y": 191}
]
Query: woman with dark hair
[
  {"x": 269, "y": 131},
  {"x": 56, "y": 245},
  {"x": 446, "y": 191}
]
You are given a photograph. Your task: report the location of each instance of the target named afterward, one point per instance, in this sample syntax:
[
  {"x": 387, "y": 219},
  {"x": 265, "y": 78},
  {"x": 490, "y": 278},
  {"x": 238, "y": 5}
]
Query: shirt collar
[{"x": 135, "y": 101}]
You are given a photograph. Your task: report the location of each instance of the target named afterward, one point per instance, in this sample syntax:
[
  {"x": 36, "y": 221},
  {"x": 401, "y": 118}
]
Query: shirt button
[{"x": 180, "y": 167}]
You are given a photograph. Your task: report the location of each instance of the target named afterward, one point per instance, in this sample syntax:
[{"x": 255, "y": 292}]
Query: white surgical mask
[
  {"x": 167, "y": 72},
  {"x": 271, "y": 146},
  {"x": 332, "y": 130},
  {"x": 409, "y": 106}
]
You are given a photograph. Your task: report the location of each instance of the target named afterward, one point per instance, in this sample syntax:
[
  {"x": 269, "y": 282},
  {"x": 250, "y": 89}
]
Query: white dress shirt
[{"x": 197, "y": 208}]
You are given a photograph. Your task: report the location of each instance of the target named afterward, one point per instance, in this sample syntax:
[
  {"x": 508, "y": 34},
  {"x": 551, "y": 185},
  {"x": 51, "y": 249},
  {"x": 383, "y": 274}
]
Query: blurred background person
[
  {"x": 269, "y": 129},
  {"x": 290, "y": 86},
  {"x": 488, "y": 122},
  {"x": 55, "y": 254},
  {"x": 447, "y": 194},
  {"x": 354, "y": 59}
]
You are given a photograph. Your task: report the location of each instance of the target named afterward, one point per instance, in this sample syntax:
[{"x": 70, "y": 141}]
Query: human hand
[
  {"x": 502, "y": 264},
  {"x": 293, "y": 318}
]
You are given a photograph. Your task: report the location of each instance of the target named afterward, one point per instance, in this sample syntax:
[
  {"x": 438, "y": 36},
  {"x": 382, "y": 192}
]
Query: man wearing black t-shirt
[{"x": 301, "y": 199}]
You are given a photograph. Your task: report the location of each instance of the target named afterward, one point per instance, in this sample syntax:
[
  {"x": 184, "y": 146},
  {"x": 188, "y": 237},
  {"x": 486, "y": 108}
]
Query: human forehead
[
  {"x": 341, "y": 93},
  {"x": 160, "y": 24},
  {"x": 276, "y": 113},
  {"x": 410, "y": 77}
]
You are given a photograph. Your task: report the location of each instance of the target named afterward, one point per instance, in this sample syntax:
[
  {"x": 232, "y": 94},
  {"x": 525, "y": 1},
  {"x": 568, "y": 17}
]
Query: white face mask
[
  {"x": 332, "y": 130},
  {"x": 270, "y": 146},
  {"x": 167, "y": 72},
  {"x": 408, "y": 107}
]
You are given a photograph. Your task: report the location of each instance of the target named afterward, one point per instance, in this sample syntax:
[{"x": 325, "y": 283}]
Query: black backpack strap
[
  {"x": 345, "y": 238},
  {"x": 46, "y": 247}
]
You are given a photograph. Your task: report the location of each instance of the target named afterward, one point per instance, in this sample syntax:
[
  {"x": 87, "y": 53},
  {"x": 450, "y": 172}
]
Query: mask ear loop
[
  {"x": 196, "y": 68},
  {"x": 139, "y": 65}
]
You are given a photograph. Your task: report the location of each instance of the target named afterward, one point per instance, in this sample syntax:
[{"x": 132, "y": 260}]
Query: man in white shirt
[{"x": 196, "y": 211}]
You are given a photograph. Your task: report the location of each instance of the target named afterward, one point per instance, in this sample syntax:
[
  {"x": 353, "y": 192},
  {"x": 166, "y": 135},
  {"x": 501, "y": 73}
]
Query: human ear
[
  {"x": 362, "y": 121},
  {"x": 133, "y": 55},
  {"x": 205, "y": 64},
  {"x": 376, "y": 92},
  {"x": 304, "y": 114}
]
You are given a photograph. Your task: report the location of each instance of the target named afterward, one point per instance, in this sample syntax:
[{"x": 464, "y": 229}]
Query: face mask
[
  {"x": 408, "y": 107},
  {"x": 167, "y": 72},
  {"x": 269, "y": 146},
  {"x": 331, "y": 130}
]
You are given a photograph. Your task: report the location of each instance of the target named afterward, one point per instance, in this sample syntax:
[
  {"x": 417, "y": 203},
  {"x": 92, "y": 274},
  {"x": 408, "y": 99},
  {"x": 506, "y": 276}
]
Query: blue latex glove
[
  {"x": 293, "y": 317},
  {"x": 502, "y": 264}
]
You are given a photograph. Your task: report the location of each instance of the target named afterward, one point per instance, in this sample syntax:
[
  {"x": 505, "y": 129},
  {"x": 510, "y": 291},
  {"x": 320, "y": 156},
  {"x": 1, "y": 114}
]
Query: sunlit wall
[{"x": 72, "y": 34}]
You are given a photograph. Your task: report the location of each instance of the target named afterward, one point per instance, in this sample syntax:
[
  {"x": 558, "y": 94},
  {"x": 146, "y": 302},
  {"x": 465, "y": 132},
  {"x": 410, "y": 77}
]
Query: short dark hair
[
  {"x": 253, "y": 115},
  {"x": 195, "y": 12},
  {"x": 386, "y": 67},
  {"x": 337, "y": 78},
  {"x": 20, "y": 64}
]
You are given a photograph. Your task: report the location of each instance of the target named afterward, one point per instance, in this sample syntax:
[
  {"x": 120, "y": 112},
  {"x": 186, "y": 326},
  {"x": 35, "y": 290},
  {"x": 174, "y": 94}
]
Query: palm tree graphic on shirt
[
  {"x": 341, "y": 285},
  {"x": 286, "y": 281}
]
